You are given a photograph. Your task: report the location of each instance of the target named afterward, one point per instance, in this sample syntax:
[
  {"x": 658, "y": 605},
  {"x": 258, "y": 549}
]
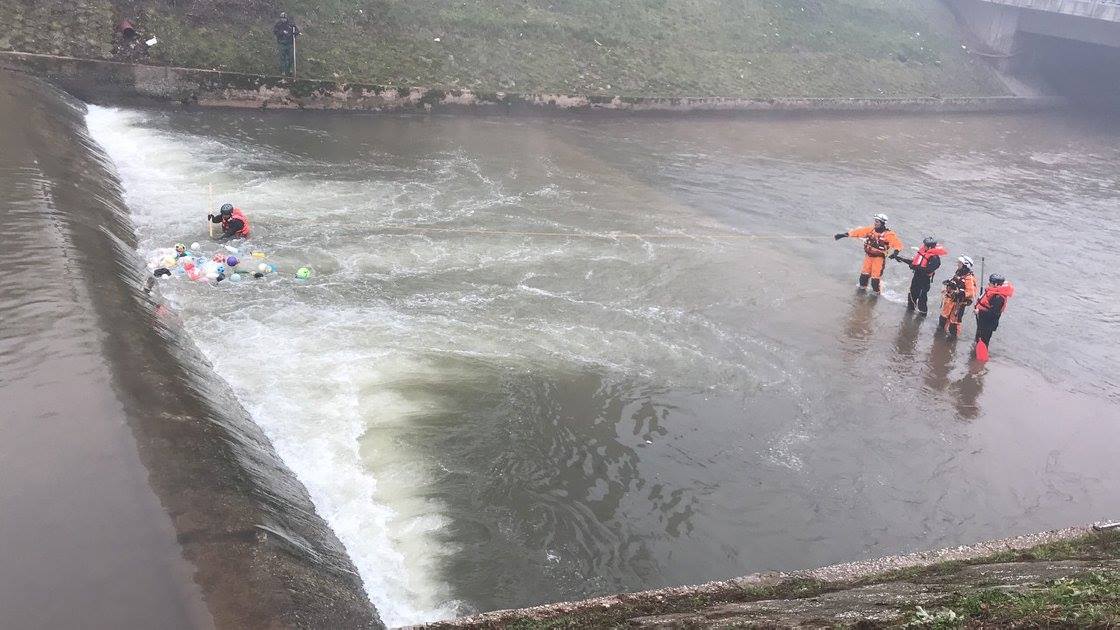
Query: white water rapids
[{"x": 493, "y": 421}]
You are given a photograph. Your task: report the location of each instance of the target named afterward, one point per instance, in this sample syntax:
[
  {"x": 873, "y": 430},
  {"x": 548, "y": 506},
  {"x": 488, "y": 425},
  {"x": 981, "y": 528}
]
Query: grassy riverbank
[
  {"x": 631, "y": 47},
  {"x": 1068, "y": 583}
]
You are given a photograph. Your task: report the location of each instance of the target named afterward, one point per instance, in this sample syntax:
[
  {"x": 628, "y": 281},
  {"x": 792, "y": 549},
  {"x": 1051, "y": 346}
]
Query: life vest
[
  {"x": 1005, "y": 290},
  {"x": 921, "y": 259},
  {"x": 876, "y": 243},
  {"x": 956, "y": 288},
  {"x": 237, "y": 214}
]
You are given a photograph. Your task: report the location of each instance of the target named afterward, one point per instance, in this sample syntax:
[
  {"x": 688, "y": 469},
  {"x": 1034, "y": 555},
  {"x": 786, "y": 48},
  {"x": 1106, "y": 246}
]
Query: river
[{"x": 542, "y": 359}]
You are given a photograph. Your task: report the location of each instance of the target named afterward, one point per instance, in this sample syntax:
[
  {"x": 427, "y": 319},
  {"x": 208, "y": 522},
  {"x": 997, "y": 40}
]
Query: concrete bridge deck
[
  {"x": 1108, "y": 10},
  {"x": 997, "y": 23}
]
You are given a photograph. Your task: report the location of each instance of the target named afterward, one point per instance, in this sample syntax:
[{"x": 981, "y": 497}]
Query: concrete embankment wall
[
  {"x": 879, "y": 591},
  {"x": 111, "y": 82},
  {"x": 93, "y": 549}
]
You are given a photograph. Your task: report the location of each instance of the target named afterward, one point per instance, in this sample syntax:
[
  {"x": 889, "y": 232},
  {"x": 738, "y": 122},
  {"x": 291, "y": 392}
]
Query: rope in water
[{"x": 607, "y": 236}]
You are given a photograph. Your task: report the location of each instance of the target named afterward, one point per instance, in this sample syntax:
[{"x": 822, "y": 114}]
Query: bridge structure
[{"x": 998, "y": 23}]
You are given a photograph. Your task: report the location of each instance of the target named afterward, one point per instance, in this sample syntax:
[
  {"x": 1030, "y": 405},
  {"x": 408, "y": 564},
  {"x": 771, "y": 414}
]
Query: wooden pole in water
[
  {"x": 209, "y": 209},
  {"x": 295, "y": 55}
]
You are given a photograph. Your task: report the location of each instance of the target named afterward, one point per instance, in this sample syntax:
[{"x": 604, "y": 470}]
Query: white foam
[
  {"x": 320, "y": 364},
  {"x": 305, "y": 391}
]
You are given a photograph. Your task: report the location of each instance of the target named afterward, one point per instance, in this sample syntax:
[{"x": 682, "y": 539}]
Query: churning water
[{"x": 530, "y": 404}]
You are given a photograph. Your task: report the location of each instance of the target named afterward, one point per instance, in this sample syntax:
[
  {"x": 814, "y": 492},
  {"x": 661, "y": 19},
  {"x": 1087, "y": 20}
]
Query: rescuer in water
[
  {"x": 877, "y": 242},
  {"x": 958, "y": 293},
  {"x": 925, "y": 264},
  {"x": 234, "y": 222},
  {"x": 991, "y": 306}
]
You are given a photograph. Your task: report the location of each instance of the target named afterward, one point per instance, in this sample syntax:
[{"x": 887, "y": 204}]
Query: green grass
[
  {"x": 760, "y": 48},
  {"x": 1096, "y": 546},
  {"x": 1091, "y": 600}
]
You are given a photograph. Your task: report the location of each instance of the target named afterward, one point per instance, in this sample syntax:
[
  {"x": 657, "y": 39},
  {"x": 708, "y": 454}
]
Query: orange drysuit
[
  {"x": 875, "y": 246},
  {"x": 958, "y": 293}
]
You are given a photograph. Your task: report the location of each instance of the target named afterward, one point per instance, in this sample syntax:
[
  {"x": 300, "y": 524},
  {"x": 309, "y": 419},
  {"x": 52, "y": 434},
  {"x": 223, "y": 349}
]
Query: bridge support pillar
[{"x": 996, "y": 25}]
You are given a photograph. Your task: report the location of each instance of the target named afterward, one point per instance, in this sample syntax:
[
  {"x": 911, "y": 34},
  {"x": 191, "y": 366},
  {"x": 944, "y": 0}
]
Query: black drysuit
[
  {"x": 988, "y": 320},
  {"x": 919, "y": 286},
  {"x": 231, "y": 228}
]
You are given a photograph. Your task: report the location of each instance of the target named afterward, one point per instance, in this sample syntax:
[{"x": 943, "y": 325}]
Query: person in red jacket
[
  {"x": 991, "y": 305},
  {"x": 234, "y": 222},
  {"x": 925, "y": 265}
]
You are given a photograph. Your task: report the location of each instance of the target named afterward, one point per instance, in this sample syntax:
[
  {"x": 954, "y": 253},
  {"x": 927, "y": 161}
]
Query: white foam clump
[{"x": 321, "y": 426}]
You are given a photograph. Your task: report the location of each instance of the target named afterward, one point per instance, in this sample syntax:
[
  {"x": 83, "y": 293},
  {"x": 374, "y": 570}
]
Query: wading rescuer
[
  {"x": 958, "y": 293},
  {"x": 989, "y": 308},
  {"x": 877, "y": 242},
  {"x": 234, "y": 222},
  {"x": 925, "y": 265}
]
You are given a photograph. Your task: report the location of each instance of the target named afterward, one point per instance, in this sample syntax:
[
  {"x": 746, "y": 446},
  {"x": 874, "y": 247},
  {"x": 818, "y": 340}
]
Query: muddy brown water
[{"x": 83, "y": 538}]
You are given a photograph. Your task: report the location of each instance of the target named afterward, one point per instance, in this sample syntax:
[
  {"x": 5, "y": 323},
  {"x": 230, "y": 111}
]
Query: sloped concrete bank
[
  {"x": 259, "y": 554},
  {"x": 100, "y": 81},
  {"x": 883, "y": 592}
]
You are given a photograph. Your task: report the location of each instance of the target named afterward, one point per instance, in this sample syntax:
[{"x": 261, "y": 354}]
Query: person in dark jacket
[
  {"x": 234, "y": 222},
  {"x": 924, "y": 265},
  {"x": 286, "y": 33},
  {"x": 991, "y": 305}
]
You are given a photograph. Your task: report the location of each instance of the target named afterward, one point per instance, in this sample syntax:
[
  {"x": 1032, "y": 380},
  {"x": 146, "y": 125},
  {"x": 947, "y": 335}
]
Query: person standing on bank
[{"x": 286, "y": 33}]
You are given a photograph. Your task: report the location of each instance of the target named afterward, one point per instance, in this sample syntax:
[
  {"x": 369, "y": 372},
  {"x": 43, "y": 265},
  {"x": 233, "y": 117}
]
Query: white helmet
[
  {"x": 966, "y": 261},
  {"x": 881, "y": 217}
]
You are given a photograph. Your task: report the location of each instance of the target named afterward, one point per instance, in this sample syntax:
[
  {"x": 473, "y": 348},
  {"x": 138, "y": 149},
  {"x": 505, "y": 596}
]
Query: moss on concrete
[
  {"x": 1089, "y": 600},
  {"x": 1004, "y": 588},
  {"x": 756, "y": 48}
]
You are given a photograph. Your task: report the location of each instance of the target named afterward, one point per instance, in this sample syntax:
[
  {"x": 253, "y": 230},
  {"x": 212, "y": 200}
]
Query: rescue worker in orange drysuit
[
  {"x": 234, "y": 222},
  {"x": 925, "y": 263},
  {"x": 958, "y": 293},
  {"x": 991, "y": 305},
  {"x": 877, "y": 242}
]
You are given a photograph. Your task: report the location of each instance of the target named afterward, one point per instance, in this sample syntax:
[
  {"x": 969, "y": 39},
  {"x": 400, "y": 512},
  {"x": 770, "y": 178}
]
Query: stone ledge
[
  {"x": 110, "y": 82},
  {"x": 715, "y": 596}
]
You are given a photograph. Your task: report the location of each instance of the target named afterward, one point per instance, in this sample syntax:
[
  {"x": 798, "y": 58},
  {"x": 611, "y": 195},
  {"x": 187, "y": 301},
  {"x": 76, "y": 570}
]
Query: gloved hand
[
  {"x": 209, "y": 217},
  {"x": 894, "y": 255},
  {"x": 840, "y": 236}
]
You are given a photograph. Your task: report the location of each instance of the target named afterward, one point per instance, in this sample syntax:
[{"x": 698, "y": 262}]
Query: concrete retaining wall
[
  {"x": 1095, "y": 9},
  {"x": 997, "y": 22},
  {"x": 995, "y": 25},
  {"x": 99, "y": 81},
  {"x": 697, "y": 597}
]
